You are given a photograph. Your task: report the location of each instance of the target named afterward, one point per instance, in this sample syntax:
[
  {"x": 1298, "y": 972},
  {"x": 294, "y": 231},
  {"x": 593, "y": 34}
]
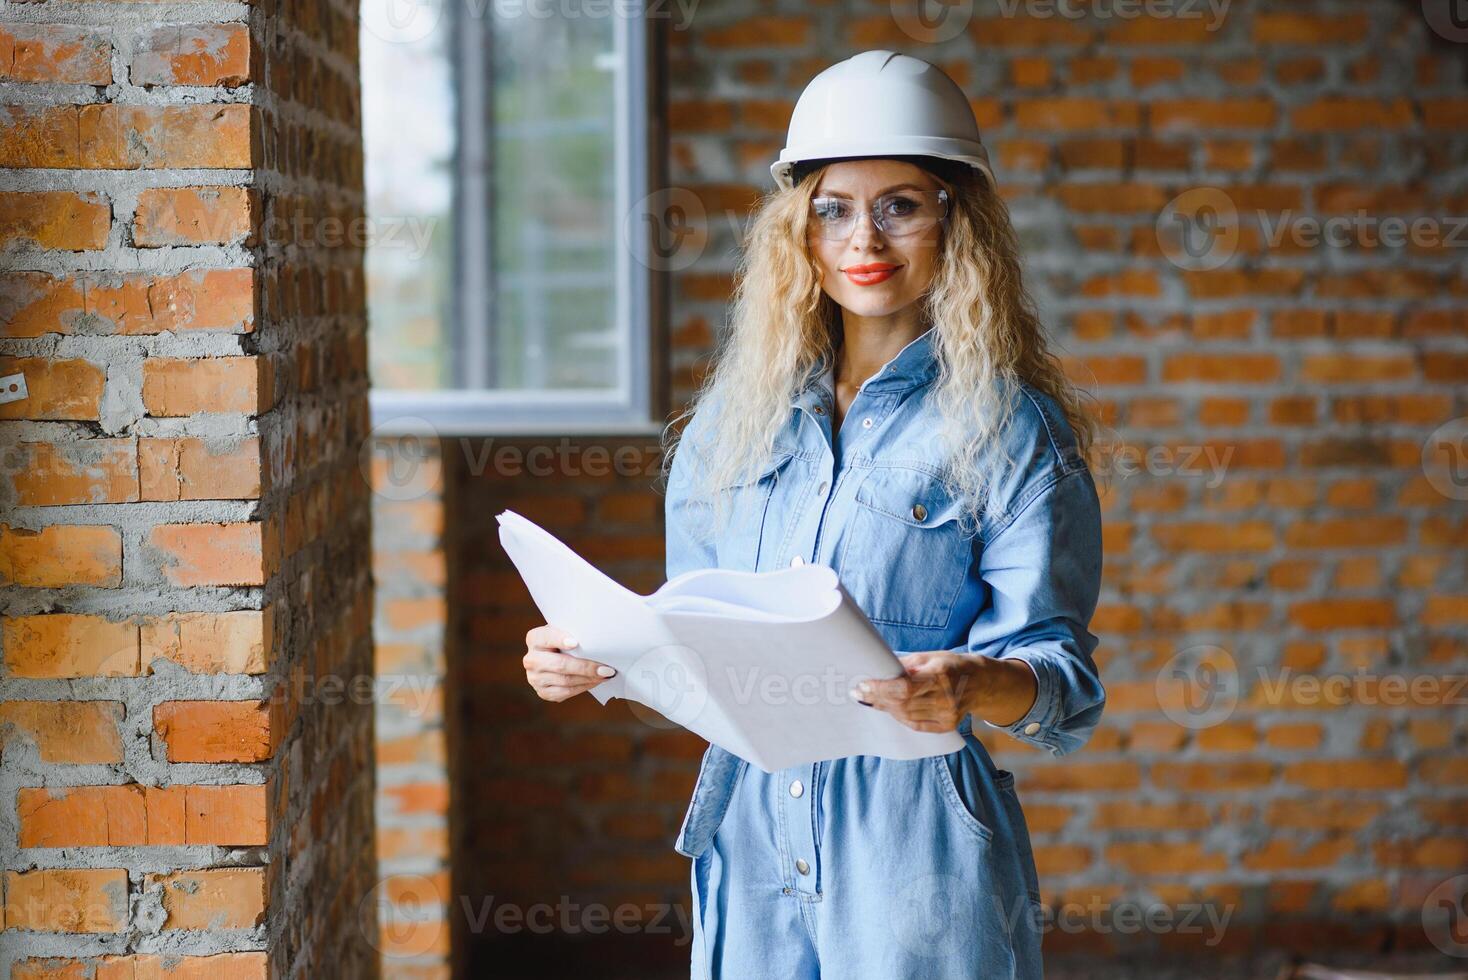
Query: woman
[{"x": 886, "y": 404}]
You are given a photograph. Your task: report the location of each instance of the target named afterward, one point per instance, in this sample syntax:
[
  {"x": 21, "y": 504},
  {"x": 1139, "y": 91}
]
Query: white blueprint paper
[{"x": 758, "y": 663}]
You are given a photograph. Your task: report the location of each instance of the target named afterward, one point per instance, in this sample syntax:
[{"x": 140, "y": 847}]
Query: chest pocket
[
  {"x": 752, "y": 526},
  {"x": 904, "y": 557}
]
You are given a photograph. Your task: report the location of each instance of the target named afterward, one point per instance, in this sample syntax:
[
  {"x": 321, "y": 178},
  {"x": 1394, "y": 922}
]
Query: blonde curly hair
[{"x": 783, "y": 324}]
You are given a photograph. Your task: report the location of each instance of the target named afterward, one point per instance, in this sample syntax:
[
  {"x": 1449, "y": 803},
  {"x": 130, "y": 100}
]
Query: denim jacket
[{"x": 1025, "y": 586}]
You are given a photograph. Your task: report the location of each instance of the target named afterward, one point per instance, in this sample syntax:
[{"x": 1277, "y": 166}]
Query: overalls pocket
[{"x": 963, "y": 796}]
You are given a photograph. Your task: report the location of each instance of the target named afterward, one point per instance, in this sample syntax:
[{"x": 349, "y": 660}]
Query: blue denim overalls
[{"x": 865, "y": 868}]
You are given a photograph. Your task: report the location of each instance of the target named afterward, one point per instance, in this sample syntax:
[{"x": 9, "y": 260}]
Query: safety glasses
[{"x": 897, "y": 215}]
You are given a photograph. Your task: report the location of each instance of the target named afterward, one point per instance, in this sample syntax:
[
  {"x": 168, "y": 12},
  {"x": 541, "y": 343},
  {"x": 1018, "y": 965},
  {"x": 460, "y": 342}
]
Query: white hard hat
[{"x": 881, "y": 103}]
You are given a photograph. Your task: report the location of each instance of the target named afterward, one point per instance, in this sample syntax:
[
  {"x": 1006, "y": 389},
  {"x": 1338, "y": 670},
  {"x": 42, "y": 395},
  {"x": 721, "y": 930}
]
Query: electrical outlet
[{"x": 12, "y": 388}]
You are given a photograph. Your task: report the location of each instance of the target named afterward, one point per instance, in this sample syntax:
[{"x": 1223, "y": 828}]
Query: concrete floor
[
  {"x": 1263, "y": 966},
  {"x": 634, "y": 960}
]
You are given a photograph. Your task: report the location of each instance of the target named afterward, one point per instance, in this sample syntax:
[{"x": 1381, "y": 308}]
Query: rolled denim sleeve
[{"x": 1043, "y": 571}]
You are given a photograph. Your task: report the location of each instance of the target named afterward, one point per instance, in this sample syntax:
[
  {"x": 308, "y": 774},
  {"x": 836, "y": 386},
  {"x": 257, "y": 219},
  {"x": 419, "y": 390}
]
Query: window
[{"x": 504, "y": 144}]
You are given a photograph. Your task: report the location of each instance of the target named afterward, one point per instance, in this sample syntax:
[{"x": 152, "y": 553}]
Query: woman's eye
[
  {"x": 830, "y": 210},
  {"x": 898, "y": 206}
]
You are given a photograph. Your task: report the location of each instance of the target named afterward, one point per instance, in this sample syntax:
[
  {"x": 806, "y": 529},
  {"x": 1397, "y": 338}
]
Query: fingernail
[
  {"x": 855, "y": 694},
  {"x": 606, "y": 671},
  {"x": 570, "y": 642}
]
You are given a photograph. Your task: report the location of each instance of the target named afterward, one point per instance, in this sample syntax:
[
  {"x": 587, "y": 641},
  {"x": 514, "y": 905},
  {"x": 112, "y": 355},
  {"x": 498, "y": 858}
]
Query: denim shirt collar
[{"x": 914, "y": 365}]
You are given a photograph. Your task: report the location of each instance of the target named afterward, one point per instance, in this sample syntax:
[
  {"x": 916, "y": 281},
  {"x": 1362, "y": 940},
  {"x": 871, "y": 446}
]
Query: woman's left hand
[{"x": 941, "y": 687}]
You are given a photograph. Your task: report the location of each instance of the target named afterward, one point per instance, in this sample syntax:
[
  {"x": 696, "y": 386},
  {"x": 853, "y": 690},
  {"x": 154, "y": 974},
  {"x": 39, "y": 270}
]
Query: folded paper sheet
[{"x": 758, "y": 663}]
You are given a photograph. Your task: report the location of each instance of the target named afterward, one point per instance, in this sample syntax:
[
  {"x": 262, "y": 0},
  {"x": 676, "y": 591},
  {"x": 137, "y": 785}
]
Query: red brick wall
[
  {"x": 567, "y": 809},
  {"x": 185, "y": 531},
  {"x": 1317, "y": 373}
]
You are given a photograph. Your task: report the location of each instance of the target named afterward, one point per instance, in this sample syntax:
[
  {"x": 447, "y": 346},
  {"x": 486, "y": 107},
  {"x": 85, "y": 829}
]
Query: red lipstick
[{"x": 870, "y": 273}]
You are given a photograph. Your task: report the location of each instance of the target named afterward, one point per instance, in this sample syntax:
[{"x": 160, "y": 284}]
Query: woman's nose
[{"x": 865, "y": 232}]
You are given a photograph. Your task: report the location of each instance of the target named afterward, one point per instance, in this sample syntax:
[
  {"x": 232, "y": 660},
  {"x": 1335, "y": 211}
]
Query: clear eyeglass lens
[{"x": 896, "y": 215}]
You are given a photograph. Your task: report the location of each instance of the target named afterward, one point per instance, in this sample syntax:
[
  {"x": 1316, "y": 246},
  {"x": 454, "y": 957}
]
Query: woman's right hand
[{"x": 555, "y": 674}]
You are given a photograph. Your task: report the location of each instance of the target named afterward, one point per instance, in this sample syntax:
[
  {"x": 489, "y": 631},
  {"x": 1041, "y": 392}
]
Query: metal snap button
[
  {"x": 797, "y": 789},
  {"x": 801, "y": 866},
  {"x": 866, "y": 423},
  {"x": 821, "y": 490},
  {"x": 797, "y": 560},
  {"x": 819, "y": 410},
  {"x": 1032, "y": 728},
  {"x": 919, "y": 512}
]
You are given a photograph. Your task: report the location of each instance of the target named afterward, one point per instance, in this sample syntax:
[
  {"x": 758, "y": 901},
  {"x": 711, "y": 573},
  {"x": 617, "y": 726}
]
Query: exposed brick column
[
  {"x": 410, "y": 627},
  {"x": 185, "y": 534}
]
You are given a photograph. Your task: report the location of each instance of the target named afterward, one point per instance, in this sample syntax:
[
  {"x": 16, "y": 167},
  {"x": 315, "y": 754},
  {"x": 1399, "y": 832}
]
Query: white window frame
[{"x": 635, "y": 407}]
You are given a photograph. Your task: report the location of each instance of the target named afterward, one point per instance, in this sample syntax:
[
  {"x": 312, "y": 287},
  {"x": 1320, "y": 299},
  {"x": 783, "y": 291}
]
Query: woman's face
[{"x": 911, "y": 260}]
